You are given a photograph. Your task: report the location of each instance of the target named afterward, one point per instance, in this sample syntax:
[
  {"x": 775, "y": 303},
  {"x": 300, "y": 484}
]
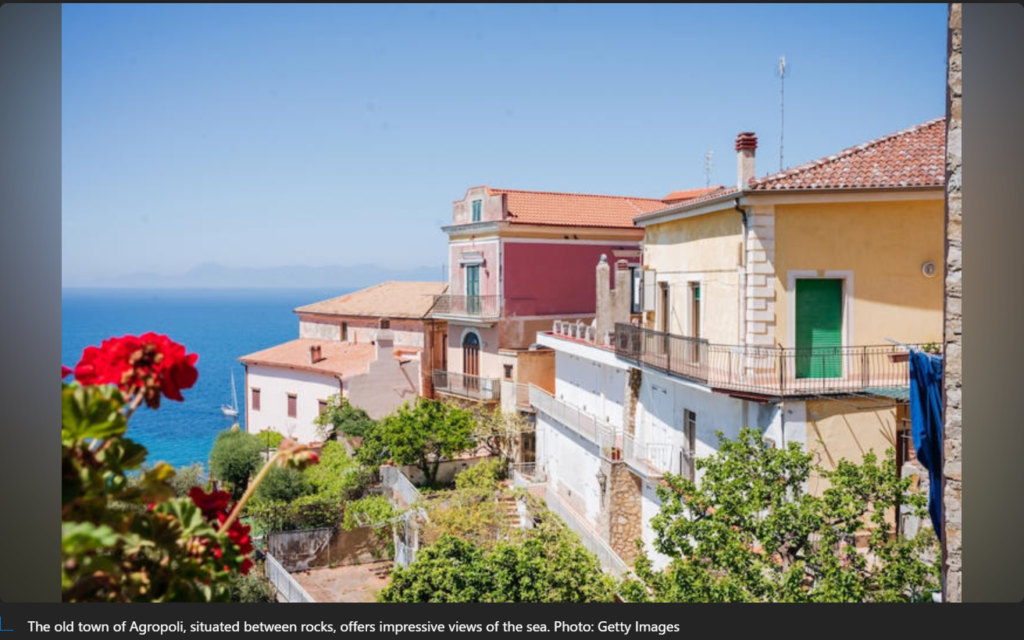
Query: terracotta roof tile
[
  {"x": 689, "y": 194},
  {"x": 339, "y": 358},
  {"x": 575, "y": 209},
  {"x": 394, "y": 299},
  {"x": 913, "y": 157}
]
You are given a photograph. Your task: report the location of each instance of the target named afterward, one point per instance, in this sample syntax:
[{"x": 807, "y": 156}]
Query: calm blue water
[{"x": 219, "y": 325}]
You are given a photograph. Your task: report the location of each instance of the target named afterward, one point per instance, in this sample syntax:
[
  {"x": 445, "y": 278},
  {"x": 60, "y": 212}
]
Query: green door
[
  {"x": 819, "y": 328},
  {"x": 473, "y": 290}
]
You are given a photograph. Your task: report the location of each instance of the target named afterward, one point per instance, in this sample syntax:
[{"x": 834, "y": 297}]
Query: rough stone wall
[
  {"x": 624, "y": 509},
  {"x": 954, "y": 316}
]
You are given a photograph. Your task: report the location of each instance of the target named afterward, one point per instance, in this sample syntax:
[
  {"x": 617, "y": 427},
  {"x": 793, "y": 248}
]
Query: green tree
[
  {"x": 283, "y": 484},
  {"x": 549, "y": 566},
  {"x": 235, "y": 456},
  {"x": 422, "y": 435},
  {"x": 342, "y": 417},
  {"x": 750, "y": 533},
  {"x": 270, "y": 439},
  {"x": 337, "y": 474},
  {"x": 193, "y": 475}
]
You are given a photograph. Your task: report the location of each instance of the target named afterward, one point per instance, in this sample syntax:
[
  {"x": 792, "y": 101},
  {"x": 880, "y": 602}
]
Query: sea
[{"x": 218, "y": 324}]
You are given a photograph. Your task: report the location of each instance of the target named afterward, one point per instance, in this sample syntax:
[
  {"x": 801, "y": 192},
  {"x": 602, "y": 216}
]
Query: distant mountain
[{"x": 211, "y": 275}]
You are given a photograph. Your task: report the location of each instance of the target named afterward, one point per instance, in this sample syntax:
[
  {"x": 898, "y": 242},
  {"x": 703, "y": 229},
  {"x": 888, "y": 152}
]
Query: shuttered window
[
  {"x": 819, "y": 328},
  {"x": 293, "y": 402},
  {"x": 255, "y": 399},
  {"x": 476, "y": 210},
  {"x": 650, "y": 297}
]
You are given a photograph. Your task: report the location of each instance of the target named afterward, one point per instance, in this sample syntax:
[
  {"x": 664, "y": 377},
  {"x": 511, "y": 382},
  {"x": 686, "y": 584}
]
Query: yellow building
[{"x": 790, "y": 291}]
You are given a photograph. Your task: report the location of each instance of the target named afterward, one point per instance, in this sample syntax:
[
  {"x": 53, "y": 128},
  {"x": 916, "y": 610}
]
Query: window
[
  {"x": 255, "y": 399},
  {"x": 508, "y": 372},
  {"x": 476, "y": 210},
  {"x": 293, "y": 401},
  {"x": 635, "y": 298},
  {"x": 689, "y": 450},
  {"x": 344, "y": 331},
  {"x": 321, "y": 406}
]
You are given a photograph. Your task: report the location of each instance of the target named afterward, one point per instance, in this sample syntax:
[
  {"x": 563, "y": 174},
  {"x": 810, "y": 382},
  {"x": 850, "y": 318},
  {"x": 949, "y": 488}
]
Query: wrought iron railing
[
  {"x": 467, "y": 306},
  {"x": 575, "y": 419},
  {"x": 767, "y": 371},
  {"x": 467, "y": 386}
]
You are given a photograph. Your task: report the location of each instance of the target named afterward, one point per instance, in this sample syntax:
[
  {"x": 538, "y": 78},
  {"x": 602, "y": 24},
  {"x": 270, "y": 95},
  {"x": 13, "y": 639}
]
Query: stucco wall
[
  {"x": 489, "y": 270},
  {"x": 884, "y": 244},
  {"x": 703, "y": 249},
  {"x": 545, "y": 278},
  {"x": 490, "y": 207},
  {"x": 386, "y": 385},
  {"x": 847, "y": 428},
  {"x": 591, "y": 386},
  {"x": 275, "y": 385},
  {"x": 571, "y": 463},
  {"x": 490, "y": 361},
  {"x": 406, "y": 332},
  {"x": 319, "y": 330}
]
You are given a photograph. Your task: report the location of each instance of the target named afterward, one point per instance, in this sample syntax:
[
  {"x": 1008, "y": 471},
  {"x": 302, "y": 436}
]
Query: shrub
[
  {"x": 270, "y": 439},
  {"x": 344, "y": 418},
  {"x": 236, "y": 455},
  {"x": 252, "y": 587},
  {"x": 283, "y": 484},
  {"x": 193, "y": 475},
  {"x": 483, "y": 475}
]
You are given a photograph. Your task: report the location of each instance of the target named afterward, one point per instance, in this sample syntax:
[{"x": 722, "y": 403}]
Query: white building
[{"x": 374, "y": 347}]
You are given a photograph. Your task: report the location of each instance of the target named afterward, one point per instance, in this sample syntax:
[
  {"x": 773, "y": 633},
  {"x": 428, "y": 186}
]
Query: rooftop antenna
[
  {"x": 781, "y": 71},
  {"x": 708, "y": 164}
]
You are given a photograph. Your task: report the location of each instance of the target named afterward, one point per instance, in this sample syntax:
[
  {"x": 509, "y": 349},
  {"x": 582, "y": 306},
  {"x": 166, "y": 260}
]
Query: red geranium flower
[
  {"x": 64, "y": 372},
  {"x": 211, "y": 504},
  {"x": 151, "y": 364}
]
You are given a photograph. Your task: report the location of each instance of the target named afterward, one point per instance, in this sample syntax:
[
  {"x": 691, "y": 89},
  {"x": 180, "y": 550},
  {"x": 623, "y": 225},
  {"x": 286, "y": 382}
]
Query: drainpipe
[{"x": 743, "y": 275}]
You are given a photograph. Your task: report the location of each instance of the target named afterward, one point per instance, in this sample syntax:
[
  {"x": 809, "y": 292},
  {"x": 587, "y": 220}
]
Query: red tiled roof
[
  {"x": 913, "y": 157},
  {"x": 575, "y": 209},
  {"x": 346, "y": 359},
  {"x": 689, "y": 194},
  {"x": 719, "y": 192}
]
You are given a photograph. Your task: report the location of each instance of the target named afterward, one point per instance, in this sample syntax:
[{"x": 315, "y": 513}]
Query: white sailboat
[{"x": 231, "y": 410}]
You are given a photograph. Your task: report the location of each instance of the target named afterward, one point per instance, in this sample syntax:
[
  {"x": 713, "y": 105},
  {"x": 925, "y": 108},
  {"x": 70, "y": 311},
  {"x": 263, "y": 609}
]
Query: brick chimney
[
  {"x": 315, "y": 354},
  {"x": 746, "y": 145}
]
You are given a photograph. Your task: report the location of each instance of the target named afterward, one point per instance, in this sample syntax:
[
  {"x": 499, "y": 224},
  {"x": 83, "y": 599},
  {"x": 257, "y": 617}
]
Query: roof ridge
[
  {"x": 845, "y": 153},
  {"x": 572, "y": 193}
]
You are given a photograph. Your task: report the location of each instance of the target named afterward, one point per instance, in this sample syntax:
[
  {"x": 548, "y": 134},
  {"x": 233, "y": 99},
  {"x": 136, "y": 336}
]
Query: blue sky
[{"x": 267, "y": 135}]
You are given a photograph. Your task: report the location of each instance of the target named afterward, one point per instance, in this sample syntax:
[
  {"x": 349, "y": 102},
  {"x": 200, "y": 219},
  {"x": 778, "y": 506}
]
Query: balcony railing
[
  {"x": 467, "y": 306},
  {"x": 467, "y": 386},
  {"x": 766, "y": 371},
  {"x": 590, "y": 427},
  {"x": 656, "y": 459}
]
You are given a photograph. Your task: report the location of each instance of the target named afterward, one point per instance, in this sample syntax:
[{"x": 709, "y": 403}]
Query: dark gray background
[{"x": 30, "y": 254}]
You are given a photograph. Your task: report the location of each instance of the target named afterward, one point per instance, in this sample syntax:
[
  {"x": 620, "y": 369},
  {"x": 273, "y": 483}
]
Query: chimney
[
  {"x": 622, "y": 295},
  {"x": 315, "y": 354},
  {"x": 746, "y": 145},
  {"x": 603, "y": 301}
]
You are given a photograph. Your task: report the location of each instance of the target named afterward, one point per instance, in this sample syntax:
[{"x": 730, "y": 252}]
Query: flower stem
[{"x": 236, "y": 512}]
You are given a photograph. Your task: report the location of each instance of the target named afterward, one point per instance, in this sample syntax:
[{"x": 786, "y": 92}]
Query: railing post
[
  {"x": 782, "y": 371},
  {"x": 864, "y": 372}
]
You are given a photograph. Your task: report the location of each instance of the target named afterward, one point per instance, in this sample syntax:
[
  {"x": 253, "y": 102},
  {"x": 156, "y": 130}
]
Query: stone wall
[
  {"x": 954, "y": 317},
  {"x": 623, "y": 510}
]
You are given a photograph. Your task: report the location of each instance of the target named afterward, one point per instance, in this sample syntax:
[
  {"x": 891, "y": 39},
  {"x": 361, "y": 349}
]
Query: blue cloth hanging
[{"x": 926, "y": 425}]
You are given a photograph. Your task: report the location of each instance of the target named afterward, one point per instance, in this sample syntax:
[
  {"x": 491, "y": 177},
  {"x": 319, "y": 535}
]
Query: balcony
[
  {"x": 466, "y": 386},
  {"x": 766, "y": 371},
  {"x": 515, "y": 395},
  {"x": 580, "y": 422},
  {"x": 476, "y": 307},
  {"x": 653, "y": 460}
]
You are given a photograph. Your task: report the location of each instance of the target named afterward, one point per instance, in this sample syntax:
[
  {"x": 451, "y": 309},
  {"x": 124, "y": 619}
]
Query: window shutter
[
  {"x": 819, "y": 328},
  {"x": 650, "y": 296}
]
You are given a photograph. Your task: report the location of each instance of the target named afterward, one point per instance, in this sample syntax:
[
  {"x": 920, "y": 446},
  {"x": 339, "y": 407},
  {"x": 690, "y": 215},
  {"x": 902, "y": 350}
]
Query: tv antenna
[
  {"x": 708, "y": 164},
  {"x": 781, "y": 71}
]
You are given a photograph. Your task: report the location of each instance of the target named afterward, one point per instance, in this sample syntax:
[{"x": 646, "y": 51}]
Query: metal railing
[
  {"x": 770, "y": 371},
  {"x": 590, "y": 427},
  {"x": 288, "y": 588},
  {"x": 397, "y": 487},
  {"x": 654, "y": 459},
  {"x": 467, "y": 306},
  {"x": 610, "y": 561},
  {"x": 467, "y": 386},
  {"x": 525, "y": 474}
]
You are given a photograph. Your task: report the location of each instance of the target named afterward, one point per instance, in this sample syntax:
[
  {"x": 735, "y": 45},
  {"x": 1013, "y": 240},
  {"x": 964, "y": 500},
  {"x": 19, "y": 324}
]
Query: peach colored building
[{"x": 375, "y": 347}]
